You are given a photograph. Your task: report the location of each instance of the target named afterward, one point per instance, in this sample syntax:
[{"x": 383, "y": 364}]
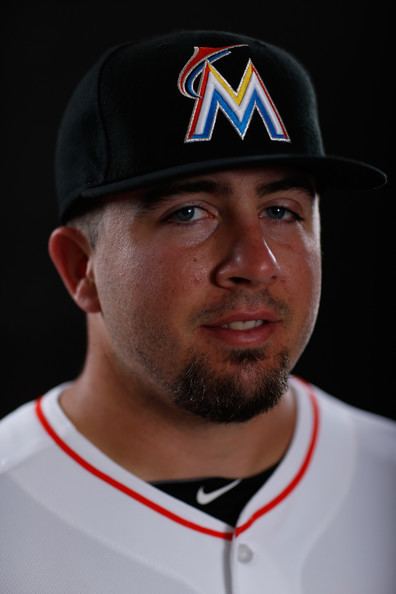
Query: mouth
[
  {"x": 244, "y": 329},
  {"x": 241, "y": 325}
]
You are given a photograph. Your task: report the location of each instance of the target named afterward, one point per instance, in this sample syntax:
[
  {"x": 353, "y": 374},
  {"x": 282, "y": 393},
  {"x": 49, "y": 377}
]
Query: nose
[{"x": 249, "y": 259}]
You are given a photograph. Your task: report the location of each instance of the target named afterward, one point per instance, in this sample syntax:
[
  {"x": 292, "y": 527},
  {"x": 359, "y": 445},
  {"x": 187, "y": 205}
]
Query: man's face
[{"x": 209, "y": 288}]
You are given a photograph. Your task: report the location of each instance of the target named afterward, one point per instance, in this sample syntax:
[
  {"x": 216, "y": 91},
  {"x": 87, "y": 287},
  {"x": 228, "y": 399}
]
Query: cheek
[
  {"x": 310, "y": 292},
  {"x": 313, "y": 284},
  {"x": 165, "y": 279},
  {"x": 302, "y": 288},
  {"x": 300, "y": 265},
  {"x": 312, "y": 248}
]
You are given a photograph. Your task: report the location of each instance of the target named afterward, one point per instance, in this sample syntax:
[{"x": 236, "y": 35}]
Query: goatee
[{"x": 227, "y": 398}]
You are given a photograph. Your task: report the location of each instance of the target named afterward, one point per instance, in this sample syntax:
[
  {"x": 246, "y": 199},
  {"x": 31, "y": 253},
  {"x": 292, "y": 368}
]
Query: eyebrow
[
  {"x": 150, "y": 198},
  {"x": 295, "y": 182}
]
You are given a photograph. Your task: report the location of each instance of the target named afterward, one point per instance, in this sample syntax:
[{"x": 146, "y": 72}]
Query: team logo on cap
[{"x": 201, "y": 81}]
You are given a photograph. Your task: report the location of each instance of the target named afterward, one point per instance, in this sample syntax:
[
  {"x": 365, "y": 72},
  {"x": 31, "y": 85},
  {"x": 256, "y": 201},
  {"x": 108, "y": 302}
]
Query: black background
[{"x": 48, "y": 46}]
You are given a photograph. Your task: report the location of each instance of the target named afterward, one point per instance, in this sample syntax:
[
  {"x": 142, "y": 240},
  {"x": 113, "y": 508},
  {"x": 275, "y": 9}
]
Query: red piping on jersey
[
  {"x": 174, "y": 517},
  {"x": 298, "y": 476}
]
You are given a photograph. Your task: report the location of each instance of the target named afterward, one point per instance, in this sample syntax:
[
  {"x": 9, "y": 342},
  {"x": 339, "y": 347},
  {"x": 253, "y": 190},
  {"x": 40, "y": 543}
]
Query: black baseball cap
[{"x": 190, "y": 102}]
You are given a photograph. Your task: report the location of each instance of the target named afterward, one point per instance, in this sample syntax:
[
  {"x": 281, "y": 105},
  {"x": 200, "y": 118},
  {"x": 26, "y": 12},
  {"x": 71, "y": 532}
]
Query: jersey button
[{"x": 245, "y": 553}]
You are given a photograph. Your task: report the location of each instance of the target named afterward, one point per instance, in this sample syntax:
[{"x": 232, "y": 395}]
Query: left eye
[
  {"x": 187, "y": 214},
  {"x": 281, "y": 213}
]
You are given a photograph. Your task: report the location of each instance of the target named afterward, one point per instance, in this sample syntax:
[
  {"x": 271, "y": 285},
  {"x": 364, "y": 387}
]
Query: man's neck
[{"x": 158, "y": 442}]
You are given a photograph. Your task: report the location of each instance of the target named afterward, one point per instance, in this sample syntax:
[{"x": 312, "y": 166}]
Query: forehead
[{"x": 261, "y": 179}]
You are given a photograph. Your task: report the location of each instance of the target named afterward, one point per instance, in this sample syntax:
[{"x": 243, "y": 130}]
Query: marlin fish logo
[{"x": 214, "y": 93}]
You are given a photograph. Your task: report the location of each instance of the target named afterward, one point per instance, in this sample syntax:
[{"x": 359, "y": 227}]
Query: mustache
[{"x": 243, "y": 301}]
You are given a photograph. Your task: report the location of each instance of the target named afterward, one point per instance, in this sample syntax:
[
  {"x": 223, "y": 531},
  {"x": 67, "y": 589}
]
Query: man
[{"x": 186, "y": 457}]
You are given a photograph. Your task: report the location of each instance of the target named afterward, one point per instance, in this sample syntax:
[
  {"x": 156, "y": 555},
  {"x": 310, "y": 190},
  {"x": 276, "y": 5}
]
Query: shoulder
[
  {"x": 374, "y": 435},
  {"x": 21, "y": 435}
]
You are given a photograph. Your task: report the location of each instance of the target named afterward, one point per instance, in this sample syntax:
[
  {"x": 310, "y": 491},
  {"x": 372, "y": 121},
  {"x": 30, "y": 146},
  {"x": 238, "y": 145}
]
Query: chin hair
[{"x": 225, "y": 398}]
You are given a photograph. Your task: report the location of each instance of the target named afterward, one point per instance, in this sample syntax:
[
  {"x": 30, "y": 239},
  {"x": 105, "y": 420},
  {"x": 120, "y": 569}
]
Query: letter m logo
[{"x": 215, "y": 94}]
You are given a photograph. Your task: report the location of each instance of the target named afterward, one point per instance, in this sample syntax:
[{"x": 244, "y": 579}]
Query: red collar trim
[{"x": 228, "y": 535}]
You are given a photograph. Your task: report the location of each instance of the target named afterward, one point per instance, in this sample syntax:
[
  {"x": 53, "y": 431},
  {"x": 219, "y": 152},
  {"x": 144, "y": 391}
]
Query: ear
[{"x": 72, "y": 254}]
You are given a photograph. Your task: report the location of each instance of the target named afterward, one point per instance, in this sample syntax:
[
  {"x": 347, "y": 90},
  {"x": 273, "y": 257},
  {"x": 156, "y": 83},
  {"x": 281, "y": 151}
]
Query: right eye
[{"x": 187, "y": 214}]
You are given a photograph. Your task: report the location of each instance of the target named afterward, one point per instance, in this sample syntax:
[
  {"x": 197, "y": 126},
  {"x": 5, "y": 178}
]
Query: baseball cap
[{"x": 191, "y": 102}]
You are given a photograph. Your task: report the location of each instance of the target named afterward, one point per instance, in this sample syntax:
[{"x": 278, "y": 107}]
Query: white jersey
[{"x": 74, "y": 522}]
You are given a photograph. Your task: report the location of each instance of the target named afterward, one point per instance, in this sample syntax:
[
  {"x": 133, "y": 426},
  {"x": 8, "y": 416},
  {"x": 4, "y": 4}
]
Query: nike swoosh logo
[{"x": 205, "y": 498}]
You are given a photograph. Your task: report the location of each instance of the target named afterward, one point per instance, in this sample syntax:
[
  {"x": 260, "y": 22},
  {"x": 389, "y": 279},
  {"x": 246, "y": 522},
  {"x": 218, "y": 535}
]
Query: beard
[
  {"x": 230, "y": 398},
  {"x": 249, "y": 382}
]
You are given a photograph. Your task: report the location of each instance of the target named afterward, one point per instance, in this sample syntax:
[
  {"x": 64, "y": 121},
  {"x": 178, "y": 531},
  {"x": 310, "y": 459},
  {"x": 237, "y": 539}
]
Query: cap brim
[{"x": 329, "y": 172}]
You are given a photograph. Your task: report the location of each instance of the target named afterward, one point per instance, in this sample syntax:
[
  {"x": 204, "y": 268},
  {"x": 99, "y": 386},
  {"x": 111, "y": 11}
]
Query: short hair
[{"x": 89, "y": 219}]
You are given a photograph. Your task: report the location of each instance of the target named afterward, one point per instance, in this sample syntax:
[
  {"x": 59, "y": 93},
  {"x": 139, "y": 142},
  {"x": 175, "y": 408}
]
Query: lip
[
  {"x": 245, "y": 316},
  {"x": 253, "y": 337}
]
